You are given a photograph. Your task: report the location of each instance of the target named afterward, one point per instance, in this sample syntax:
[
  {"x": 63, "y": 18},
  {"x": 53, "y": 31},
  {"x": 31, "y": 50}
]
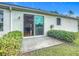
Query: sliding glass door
[
  {"x": 33, "y": 25},
  {"x": 39, "y": 25}
]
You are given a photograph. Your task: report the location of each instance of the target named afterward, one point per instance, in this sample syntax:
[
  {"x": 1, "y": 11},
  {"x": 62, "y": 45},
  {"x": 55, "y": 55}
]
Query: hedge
[
  {"x": 10, "y": 43},
  {"x": 62, "y": 35}
]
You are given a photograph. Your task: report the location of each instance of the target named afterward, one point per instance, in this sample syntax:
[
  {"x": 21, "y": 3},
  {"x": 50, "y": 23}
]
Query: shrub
[
  {"x": 10, "y": 43},
  {"x": 63, "y": 35},
  {"x": 76, "y": 41}
]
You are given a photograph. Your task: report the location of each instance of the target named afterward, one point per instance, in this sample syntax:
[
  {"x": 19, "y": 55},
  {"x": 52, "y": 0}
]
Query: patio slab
[{"x": 30, "y": 44}]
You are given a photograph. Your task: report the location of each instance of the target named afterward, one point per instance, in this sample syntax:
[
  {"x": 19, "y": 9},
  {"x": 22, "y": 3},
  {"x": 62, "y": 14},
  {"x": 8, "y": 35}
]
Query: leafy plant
[
  {"x": 10, "y": 43},
  {"x": 63, "y": 35},
  {"x": 76, "y": 41}
]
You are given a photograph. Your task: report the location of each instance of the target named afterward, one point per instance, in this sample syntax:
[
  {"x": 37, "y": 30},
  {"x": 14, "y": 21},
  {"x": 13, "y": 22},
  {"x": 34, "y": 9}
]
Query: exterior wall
[
  {"x": 6, "y": 22},
  {"x": 17, "y": 22},
  {"x": 66, "y": 24}
]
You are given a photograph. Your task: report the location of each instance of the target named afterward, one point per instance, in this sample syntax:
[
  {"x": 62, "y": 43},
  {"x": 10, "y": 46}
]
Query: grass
[{"x": 64, "y": 49}]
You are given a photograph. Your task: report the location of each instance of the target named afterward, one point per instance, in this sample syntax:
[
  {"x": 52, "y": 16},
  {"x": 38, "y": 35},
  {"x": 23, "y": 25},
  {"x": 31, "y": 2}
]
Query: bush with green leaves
[
  {"x": 10, "y": 43},
  {"x": 62, "y": 35},
  {"x": 76, "y": 41}
]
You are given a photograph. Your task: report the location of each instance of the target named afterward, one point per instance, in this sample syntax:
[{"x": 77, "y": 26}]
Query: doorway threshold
[{"x": 34, "y": 36}]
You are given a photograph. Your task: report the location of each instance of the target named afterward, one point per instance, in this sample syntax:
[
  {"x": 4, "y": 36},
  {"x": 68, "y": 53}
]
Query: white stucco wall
[
  {"x": 6, "y": 22},
  {"x": 17, "y": 23},
  {"x": 66, "y": 24}
]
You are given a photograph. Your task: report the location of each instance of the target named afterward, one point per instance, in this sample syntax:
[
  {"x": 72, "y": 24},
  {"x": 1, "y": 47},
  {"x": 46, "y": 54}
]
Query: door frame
[{"x": 34, "y": 27}]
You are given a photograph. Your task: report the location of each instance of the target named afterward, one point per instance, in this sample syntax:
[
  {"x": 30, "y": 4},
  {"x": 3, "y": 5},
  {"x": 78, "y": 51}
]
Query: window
[
  {"x": 1, "y": 20},
  {"x": 58, "y": 21}
]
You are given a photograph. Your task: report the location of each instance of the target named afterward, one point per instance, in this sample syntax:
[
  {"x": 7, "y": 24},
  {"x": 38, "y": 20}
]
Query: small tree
[{"x": 70, "y": 12}]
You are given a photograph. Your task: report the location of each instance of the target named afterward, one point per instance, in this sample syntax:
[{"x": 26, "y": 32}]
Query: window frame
[
  {"x": 58, "y": 21},
  {"x": 2, "y": 21}
]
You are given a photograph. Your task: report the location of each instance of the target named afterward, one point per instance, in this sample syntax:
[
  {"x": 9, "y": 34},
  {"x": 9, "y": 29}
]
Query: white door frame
[{"x": 34, "y": 31}]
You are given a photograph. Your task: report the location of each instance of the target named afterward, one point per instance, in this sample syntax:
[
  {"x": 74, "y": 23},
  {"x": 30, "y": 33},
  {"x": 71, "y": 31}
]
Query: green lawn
[{"x": 60, "y": 50}]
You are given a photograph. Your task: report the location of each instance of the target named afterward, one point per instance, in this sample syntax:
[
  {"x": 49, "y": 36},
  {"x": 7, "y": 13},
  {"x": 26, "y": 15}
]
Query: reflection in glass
[{"x": 39, "y": 25}]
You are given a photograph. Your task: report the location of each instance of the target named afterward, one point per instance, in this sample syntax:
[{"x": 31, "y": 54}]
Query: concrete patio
[{"x": 30, "y": 44}]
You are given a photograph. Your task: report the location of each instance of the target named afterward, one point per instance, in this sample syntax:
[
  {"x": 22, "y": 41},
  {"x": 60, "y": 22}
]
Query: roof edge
[{"x": 39, "y": 10}]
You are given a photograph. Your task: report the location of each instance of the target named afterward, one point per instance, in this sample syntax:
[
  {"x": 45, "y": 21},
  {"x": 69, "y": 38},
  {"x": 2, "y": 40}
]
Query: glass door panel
[{"x": 39, "y": 25}]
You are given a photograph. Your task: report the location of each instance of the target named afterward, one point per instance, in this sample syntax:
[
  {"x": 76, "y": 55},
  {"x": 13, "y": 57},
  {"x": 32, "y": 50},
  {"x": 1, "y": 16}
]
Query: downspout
[{"x": 10, "y": 9}]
